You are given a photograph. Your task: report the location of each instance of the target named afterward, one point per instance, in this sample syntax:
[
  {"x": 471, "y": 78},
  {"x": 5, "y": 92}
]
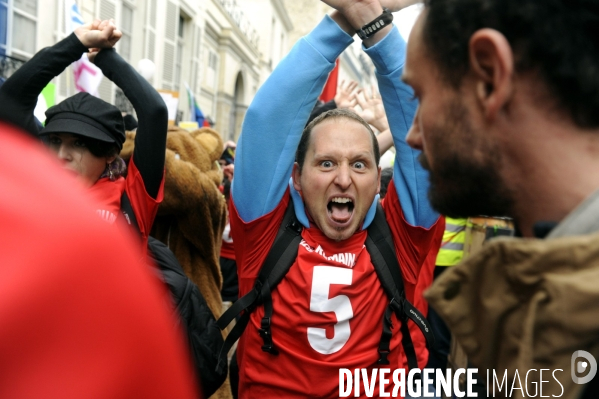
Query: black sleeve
[
  {"x": 152, "y": 114},
  {"x": 18, "y": 95}
]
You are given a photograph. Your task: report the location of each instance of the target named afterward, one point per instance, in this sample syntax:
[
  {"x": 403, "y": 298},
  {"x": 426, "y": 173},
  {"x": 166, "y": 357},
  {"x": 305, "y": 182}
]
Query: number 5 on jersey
[{"x": 323, "y": 277}]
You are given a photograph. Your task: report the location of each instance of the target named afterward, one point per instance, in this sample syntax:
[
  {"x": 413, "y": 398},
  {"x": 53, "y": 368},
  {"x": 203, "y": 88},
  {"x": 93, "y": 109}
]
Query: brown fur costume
[{"x": 192, "y": 216}]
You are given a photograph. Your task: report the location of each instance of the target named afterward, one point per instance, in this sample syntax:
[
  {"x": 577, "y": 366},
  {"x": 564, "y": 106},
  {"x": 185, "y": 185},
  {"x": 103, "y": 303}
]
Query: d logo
[{"x": 580, "y": 366}]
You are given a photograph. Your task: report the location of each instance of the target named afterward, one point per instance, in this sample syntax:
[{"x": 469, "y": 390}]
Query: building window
[
  {"x": 18, "y": 28},
  {"x": 179, "y": 56},
  {"x": 213, "y": 61},
  {"x": 127, "y": 29},
  {"x": 3, "y": 26},
  {"x": 196, "y": 60}
]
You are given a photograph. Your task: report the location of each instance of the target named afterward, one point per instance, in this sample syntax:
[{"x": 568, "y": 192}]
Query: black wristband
[{"x": 377, "y": 24}]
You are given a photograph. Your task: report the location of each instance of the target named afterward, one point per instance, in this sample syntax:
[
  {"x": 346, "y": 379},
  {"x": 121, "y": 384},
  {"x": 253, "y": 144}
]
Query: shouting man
[{"x": 328, "y": 309}]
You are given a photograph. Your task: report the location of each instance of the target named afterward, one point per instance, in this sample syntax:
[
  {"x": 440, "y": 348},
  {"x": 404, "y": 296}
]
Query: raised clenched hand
[
  {"x": 360, "y": 12},
  {"x": 357, "y": 12},
  {"x": 98, "y": 34}
]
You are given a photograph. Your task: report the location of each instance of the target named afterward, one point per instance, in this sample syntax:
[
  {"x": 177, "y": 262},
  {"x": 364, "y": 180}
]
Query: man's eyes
[{"x": 357, "y": 165}]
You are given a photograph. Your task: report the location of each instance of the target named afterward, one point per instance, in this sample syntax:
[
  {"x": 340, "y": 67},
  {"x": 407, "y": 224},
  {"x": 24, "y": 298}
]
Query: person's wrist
[
  {"x": 366, "y": 14},
  {"x": 381, "y": 126},
  {"x": 369, "y": 32},
  {"x": 80, "y": 35},
  {"x": 343, "y": 23}
]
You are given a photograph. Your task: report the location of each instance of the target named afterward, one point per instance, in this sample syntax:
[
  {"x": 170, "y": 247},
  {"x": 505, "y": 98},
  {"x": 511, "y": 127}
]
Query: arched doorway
[{"x": 238, "y": 109}]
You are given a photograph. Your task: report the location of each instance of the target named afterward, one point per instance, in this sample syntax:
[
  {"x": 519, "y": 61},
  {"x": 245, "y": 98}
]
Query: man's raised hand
[
  {"x": 345, "y": 97},
  {"x": 371, "y": 109},
  {"x": 357, "y": 12},
  {"x": 98, "y": 34}
]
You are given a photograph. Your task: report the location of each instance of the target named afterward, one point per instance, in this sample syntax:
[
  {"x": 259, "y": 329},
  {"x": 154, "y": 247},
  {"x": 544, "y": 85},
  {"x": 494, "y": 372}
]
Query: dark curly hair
[
  {"x": 558, "y": 39},
  {"x": 98, "y": 148}
]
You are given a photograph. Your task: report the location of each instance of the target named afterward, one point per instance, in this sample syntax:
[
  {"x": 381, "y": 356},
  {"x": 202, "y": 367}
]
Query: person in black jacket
[{"x": 87, "y": 134}]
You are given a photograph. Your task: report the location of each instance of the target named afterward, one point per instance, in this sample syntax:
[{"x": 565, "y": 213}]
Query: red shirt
[
  {"x": 227, "y": 249},
  {"x": 81, "y": 316},
  {"x": 328, "y": 309},
  {"x": 108, "y": 193}
]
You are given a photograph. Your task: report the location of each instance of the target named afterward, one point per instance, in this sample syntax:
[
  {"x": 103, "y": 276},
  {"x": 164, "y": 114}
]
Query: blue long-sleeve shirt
[{"x": 275, "y": 120}]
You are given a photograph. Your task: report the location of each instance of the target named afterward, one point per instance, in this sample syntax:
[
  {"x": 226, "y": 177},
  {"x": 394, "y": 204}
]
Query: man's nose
[
  {"x": 343, "y": 177},
  {"x": 414, "y": 136}
]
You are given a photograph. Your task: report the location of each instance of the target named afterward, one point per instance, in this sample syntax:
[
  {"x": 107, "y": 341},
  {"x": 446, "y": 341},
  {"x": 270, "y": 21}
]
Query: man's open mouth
[{"x": 340, "y": 209}]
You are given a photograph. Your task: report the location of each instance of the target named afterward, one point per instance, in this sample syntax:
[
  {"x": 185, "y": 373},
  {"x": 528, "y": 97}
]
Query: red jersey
[
  {"x": 108, "y": 193},
  {"x": 81, "y": 316},
  {"x": 227, "y": 249},
  {"x": 328, "y": 309}
]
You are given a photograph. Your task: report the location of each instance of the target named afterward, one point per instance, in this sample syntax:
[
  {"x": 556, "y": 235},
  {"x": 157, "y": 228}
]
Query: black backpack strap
[
  {"x": 381, "y": 249},
  {"x": 127, "y": 211},
  {"x": 278, "y": 261}
]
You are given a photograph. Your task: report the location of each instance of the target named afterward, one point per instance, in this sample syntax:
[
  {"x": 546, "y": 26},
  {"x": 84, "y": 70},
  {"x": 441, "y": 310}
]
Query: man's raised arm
[
  {"x": 410, "y": 179},
  {"x": 387, "y": 49},
  {"x": 276, "y": 117}
]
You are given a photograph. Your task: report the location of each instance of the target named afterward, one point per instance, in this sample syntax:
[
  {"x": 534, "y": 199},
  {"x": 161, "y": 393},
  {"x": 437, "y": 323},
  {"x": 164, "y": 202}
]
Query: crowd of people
[{"x": 154, "y": 262}]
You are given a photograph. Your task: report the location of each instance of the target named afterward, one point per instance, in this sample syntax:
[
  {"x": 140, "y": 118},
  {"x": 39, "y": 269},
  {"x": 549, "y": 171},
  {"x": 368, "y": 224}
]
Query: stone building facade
[
  {"x": 222, "y": 49},
  {"x": 213, "y": 46}
]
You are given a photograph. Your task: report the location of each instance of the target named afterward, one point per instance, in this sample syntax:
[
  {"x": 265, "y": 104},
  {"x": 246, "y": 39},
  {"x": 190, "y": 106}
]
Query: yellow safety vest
[{"x": 452, "y": 246}]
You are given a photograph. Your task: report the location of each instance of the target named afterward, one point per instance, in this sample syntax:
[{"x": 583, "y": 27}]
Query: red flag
[{"x": 330, "y": 88}]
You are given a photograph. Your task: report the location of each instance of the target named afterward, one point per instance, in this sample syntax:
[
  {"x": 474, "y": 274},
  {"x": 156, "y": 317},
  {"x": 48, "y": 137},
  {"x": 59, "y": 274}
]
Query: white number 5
[{"x": 323, "y": 277}]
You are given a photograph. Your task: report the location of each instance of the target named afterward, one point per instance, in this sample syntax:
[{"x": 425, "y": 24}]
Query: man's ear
[
  {"x": 296, "y": 174},
  {"x": 378, "y": 189},
  {"x": 492, "y": 62}
]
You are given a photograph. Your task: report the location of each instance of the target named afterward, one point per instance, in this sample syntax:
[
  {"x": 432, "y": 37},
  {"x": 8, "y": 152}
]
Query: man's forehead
[
  {"x": 332, "y": 131},
  {"x": 338, "y": 125}
]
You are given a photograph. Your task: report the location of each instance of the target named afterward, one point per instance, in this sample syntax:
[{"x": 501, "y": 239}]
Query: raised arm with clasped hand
[
  {"x": 353, "y": 14},
  {"x": 19, "y": 93},
  {"x": 387, "y": 50},
  {"x": 357, "y": 13},
  {"x": 98, "y": 34}
]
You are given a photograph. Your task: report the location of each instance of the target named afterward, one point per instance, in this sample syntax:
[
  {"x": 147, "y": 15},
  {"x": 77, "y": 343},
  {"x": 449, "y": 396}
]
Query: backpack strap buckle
[
  {"x": 383, "y": 356},
  {"x": 295, "y": 226},
  {"x": 266, "y": 335}
]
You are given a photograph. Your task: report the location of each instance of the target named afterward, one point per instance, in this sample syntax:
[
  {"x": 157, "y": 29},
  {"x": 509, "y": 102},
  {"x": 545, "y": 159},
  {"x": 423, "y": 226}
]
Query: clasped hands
[
  {"x": 360, "y": 12},
  {"x": 98, "y": 35}
]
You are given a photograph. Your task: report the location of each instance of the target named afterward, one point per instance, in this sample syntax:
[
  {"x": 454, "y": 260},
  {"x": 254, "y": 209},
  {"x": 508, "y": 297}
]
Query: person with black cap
[{"x": 87, "y": 133}]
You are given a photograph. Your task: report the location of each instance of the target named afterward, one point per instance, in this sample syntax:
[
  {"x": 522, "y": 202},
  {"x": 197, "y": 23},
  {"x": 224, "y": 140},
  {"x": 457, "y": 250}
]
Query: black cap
[{"x": 88, "y": 116}]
